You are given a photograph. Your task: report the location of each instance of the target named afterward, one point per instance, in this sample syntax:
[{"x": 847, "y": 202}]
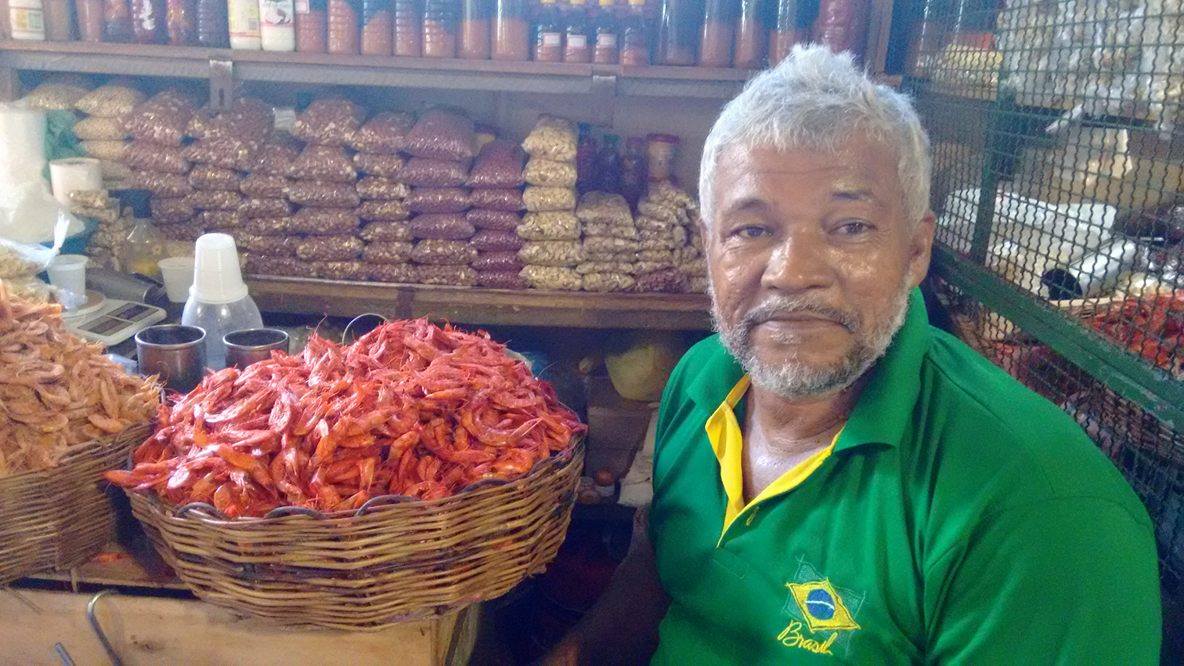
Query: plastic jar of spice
[
  {"x": 26, "y": 20},
  {"x": 343, "y": 30},
  {"x": 212, "y": 28},
  {"x": 439, "y": 29},
  {"x": 148, "y": 21},
  {"x": 180, "y": 22},
  {"x": 576, "y": 45},
  {"x": 678, "y": 32},
  {"x": 474, "y": 30},
  {"x": 89, "y": 16},
  {"x": 243, "y": 19},
  {"x": 408, "y": 20},
  {"x": 311, "y": 20},
  {"x": 789, "y": 29},
  {"x": 635, "y": 36},
  {"x": 548, "y": 39},
  {"x": 842, "y": 25},
  {"x": 752, "y": 35},
  {"x": 378, "y": 32},
  {"x": 277, "y": 27},
  {"x": 607, "y": 49},
  {"x": 59, "y": 24},
  {"x": 660, "y": 151},
  {"x": 715, "y": 43},
  {"x": 117, "y": 20},
  {"x": 511, "y": 31}
]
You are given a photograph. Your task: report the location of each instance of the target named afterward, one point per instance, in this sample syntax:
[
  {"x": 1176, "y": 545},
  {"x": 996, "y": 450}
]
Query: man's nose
[{"x": 799, "y": 263}]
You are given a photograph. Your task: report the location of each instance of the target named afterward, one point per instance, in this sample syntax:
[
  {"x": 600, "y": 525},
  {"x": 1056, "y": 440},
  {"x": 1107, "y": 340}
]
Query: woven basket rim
[
  {"x": 135, "y": 431},
  {"x": 207, "y": 514}
]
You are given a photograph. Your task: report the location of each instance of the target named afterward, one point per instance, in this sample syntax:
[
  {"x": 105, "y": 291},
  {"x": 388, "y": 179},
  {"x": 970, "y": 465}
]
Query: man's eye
[
  {"x": 854, "y": 228},
  {"x": 751, "y": 231}
]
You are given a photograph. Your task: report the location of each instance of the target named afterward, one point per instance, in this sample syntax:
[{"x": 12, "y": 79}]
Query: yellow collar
[{"x": 727, "y": 441}]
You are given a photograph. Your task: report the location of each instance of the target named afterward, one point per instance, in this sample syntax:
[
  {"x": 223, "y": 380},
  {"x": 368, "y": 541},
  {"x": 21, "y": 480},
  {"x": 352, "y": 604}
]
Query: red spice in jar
[
  {"x": 377, "y": 30},
  {"x": 576, "y": 45},
  {"x": 148, "y": 21},
  {"x": 343, "y": 27},
  {"x": 180, "y": 22},
  {"x": 548, "y": 40},
  {"x": 842, "y": 25},
  {"x": 311, "y": 30},
  {"x": 751, "y": 36},
  {"x": 117, "y": 20},
  {"x": 439, "y": 29},
  {"x": 408, "y": 28},
  {"x": 635, "y": 41},
  {"x": 606, "y": 50},
  {"x": 715, "y": 41},
  {"x": 474, "y": 30},
  {"x": 89, "y": 16},
  {"x": 511, "y": 32}
]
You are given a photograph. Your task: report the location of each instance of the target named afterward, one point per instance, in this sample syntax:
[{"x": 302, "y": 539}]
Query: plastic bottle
[
  {"x": 148, "y": 17},
  {"x": 244, "y": 25},
  {"x": 474, "y": 42},
  {"x": 791, "y": 26},
  {"x": 144, "y": 246},
  {"x": 577, "y": 47},
  {"x": 117, "y": 20},
  {"x": 548, "y": 34},
  {"x": 180, "y": 22},
  {"x": 408, "y": 20},
  {"x": 607, "y": 49},
  {"x": 679, "y": 31},
  {"x": 212, "y": 30},
  {"x": 311, "y": 19},
  {"x": 378, "y": 33},
  {"x": 752, "y": 35},
  {"x": 27, "y": 20},
  {"x": 277, "y": 27},
  {"x": 218, "y": 300},
  {"x": 635, "y": 36},
  {"x": 511, "y": 31},
  {"x": 440, "y": 23},
  {"x": 718, "y": 33}
]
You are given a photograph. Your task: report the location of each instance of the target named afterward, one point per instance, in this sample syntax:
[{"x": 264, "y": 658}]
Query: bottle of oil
[{"x": 144, "y": 245}]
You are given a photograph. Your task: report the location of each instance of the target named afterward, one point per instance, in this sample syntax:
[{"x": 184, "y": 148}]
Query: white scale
[{"x": 110, "y": 321}]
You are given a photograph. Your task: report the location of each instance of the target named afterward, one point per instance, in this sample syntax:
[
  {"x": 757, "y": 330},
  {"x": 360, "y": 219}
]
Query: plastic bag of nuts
[
  {"x": 90, "y": 199},
  {"x": 324, "y": 221},
  {"x": 330, "y": 121},
  {"x": 171, "y": 210},
  {"x": 613, "y": 230},
  {"x": 551, "y": 253},
  {"x": 428, "y": 172},
  {"x": 508, "y": 200},
  {"x": 554, "y": 225},
  {"x": 247, "y": 118},
  {"x": 459, "y": 276},
  {"x": 501, "y": 280},
  {"x": 330, "y": 164},
  {"x": 386, "y": 166},
  {"x": 280, "y": 246},
  {"x": 267, "y": 264},
  {"x": 220, "y": 219},
  {"x": 330, "y": 248},
  {"x": 263, "y": 186},
  {"x": 377, "y": 232},
  {"x": 375, "y": 188},
  {"x": 497, "y": 262},
  {"x": 608, "y": 244},
  {"x": 225, "y": 152},
  {"x": 387, "y": 252},
  {"x": 605, "y": 282},
  {"x": 542, "y": 199},
  {"x": 552, "y": 277},
  {"x": 442, "y": 135},
  {"x": 552, "y": 138},
  {"x": 161, "y": 184},
  {"x": 214, "y": 200},
  {"x": 394, "y": 273},
  {"x": 438, "y": 200},
  {"x": 275, "y": 156},
  {"x": 105, "y": 150},
  {"x": 498, "y": 165},
  {"x": 604, "y": 208},
  {"x": 384, "y": 211},
  {"x": 206, "y": 177},
  {"x": 180, "y": 232},
  {"x": 441, "y": 226},
  {"x": 493, "y": 219},
  {"x": 489, "y": 240},
  {"x": 113, "y": 100},
  {"x": 443, "y": 252},
  {"x": 100, "y": 129},
  {"x": 384, "y": 134},
  {"x": 550, "y": 173},
  {"x": 323, "y": 195},
  {"x": 588, "y": 267},
  {"x": 162, "y": 119},
  {"x": 340, "y": 270},
  {"x": 268, "y": 226},
  {"x": 669, "y": 280}
]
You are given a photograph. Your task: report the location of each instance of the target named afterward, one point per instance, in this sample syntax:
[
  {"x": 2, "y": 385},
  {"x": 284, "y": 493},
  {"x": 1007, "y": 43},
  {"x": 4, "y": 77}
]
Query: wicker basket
[
  {"x": 395, "y": 559},
  {"x": 58, "y": 518}
]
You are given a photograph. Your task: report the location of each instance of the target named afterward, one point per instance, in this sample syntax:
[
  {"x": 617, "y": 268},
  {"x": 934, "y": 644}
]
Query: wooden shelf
[
  {"x": 313, "y": 68},
  {"x": 486, "y": 307}
]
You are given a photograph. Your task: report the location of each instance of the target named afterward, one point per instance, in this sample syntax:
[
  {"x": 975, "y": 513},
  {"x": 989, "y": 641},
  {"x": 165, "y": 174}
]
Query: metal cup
[
  {"x": 253, "y": 344},
  {"x": 176, "y": 353}
]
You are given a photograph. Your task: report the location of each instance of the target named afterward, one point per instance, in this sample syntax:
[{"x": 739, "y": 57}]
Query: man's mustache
[{"x": 774, "y": 306}]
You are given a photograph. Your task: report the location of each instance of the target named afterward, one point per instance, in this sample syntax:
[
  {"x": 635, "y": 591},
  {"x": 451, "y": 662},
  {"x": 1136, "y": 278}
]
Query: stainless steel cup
[
  {"x": 176, "y": 353},
  {"x": 253, "y": 344}
]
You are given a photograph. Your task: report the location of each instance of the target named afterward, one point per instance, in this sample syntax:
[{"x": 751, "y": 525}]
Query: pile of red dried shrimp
[
  {"x": 409, "y": 409},
  {"x": 57, "y": 390}
]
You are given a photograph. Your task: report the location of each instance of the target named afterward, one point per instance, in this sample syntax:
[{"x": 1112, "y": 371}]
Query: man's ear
[{"x": 921, "y": 248}]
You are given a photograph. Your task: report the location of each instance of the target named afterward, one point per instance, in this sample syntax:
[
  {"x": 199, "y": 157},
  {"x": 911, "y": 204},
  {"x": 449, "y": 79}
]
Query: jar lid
[{"x": 662, "y": 138}]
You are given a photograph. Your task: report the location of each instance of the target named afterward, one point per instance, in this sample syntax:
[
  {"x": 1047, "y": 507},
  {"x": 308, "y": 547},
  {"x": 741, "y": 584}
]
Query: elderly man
[{"x": 833, "y": 478}]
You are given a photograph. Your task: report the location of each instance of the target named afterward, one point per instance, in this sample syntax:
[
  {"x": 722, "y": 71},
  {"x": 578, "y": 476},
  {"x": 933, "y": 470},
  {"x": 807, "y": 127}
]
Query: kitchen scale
[{"x": 110, "y": 321}]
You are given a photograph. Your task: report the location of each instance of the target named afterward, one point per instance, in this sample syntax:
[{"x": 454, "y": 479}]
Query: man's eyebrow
[
  {"x": 747, "y": 203},
  {"x": 853, "y": 195}
]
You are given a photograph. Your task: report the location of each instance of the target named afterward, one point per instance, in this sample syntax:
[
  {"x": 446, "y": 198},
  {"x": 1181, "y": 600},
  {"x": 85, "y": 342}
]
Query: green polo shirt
[{"x": 959, "y": 518}]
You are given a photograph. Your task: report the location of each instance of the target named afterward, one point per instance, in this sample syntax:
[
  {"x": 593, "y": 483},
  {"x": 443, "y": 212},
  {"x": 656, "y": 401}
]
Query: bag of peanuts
[{"x": 329, "y": 121}]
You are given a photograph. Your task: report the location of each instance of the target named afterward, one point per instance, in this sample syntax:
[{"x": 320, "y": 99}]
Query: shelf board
[
  {"x": 486, "y": 307},
  {"x": 315, "y": 68}
]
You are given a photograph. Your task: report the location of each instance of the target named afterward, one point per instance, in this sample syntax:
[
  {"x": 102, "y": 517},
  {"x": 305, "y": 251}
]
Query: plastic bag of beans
[
  {"x": 384, "y": 134},
  {"x": 554, "y": 225},
  {"x": 489, "y": 240},
  {"x": 508, "y": 200},
  {"x": 325, "y": 221},
  {"x": 340, "y": 270},
  {"x": 214, "y": 200},
  {"x": 113, "y": 100},
  {"x": 251, "y": 208},
  {"x": 279, "y": 246},
  {"x": 540, "y": 199},
  {"x": 268, "y": 226},
  {"x": 552, "y": 277},
  {"x": 267, "y": 264},
  {"x": 551, "y": 253},
  {"x": 171, "y": 210},
  {"x": 459, "y": 276},
  {"x": 443, "y": 252},
  {"x": 225, "y": 152},
  {"x": 395, "y": 273},
  {"x": 206, "y": 177},
  {"x": 329, "y": 164},
  {"x": 331, "y": 121},
  {"x": 220, "y": 219},
  {"x": 384, "y": 211},
  {"x": 552, "y": 138},
  {"x": 442, "y": 135},
  {"x": 106, "y": 150},
  {"x": 376, "y": 188},
  {"x": 263, "y": 186},
  {"x": 428, "y": 172},
  {"x": 152, "y": 157},
  {"x": 497, "y": 262},
  {"x": 501, "y": 280},
  {"x": 605, "y": 282},
  {"x": 377, "y": 232},
  {"x": 441, "y": 226},
  {"x": 275, "y": 156},
  {"x": 387, "y": 252},
  {"x": 438, "y": 200},
  {"x": 100, "y": 129},
  {"x": 323, "y": 195},
  {"x": 493, "y": 219},
  {"x": 550, "y": 173},
  {"x": 386, "y": 166},
  {"x": 162, "y": 119},
  {"x": 498, "y": 165},
  {"x": 330, "y": 248}
]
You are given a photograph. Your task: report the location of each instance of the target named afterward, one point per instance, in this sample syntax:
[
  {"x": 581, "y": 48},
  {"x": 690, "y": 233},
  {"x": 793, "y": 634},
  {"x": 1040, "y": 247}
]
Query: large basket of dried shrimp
[
  {"x": 410, "y": 474},
  {"x": 67, "y": 414}
]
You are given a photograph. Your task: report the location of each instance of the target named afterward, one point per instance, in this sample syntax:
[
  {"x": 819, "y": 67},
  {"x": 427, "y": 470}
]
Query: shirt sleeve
[{"x": 1069, "y": 580}]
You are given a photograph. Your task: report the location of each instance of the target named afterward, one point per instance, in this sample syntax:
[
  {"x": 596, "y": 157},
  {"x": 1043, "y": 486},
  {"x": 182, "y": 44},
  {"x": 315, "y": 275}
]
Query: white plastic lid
[{"x": 217, "y": 278}]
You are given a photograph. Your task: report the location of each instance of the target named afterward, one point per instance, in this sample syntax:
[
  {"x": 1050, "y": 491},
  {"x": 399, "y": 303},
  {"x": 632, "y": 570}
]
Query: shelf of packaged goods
[
  {"x": 314, "y": 68},
  {"x": 485, "y": 307}
]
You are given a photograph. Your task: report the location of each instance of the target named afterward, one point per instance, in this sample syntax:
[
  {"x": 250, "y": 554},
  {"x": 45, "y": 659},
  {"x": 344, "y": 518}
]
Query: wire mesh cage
[{"x": 1058, "y": 141}]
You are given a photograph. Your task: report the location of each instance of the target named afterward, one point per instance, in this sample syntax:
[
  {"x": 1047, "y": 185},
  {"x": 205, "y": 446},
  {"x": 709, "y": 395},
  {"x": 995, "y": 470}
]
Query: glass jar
[
  {"x": 660, "y": 150},
  {"x": 635, "y": 35},
  {"x": 633, "y": 172},
  {"x": 576, "y": 46},
  {"x": 89, "y": 15},
  {"x": 148, "y": 17},
  {"x": 377, "y": 29},
  {"x": 752, "y": 35},
  {"x": 607, "y": 47},
  {"x": 789, "y": 29},
  {"x": 59, "y": 24},
  {"x": 343, "y": 29},
  {"x": 180, "y": 22},
  {"x": 213, "y": 30},
  {"x": 678, "y": 32},
  {"x": 26, "y": 20},
  {"x": 312, "y": 17},
  {"x": 117, "y": 20},
  {"x": 440, "y": 19},
  {"x": 474, "y": 30},
  {"x": 719, "y": 29},
  {"x": 842, "y": 25},
  {"x": 511, "y": 31},
  {"x": 408, "y": 28},
  {"x": 548, "y": 39}
]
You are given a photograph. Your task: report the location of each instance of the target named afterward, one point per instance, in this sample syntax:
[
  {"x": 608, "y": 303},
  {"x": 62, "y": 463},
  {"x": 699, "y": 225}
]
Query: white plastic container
[
  {"x": 177, "y": 273},
  {"x": 243, "y": 19},
  {"x": 276, "y": 27},
  {"x": 67, "y": 272},
  {"x": 218, "y": 300},
  {"x": 27, "y": 20}
]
